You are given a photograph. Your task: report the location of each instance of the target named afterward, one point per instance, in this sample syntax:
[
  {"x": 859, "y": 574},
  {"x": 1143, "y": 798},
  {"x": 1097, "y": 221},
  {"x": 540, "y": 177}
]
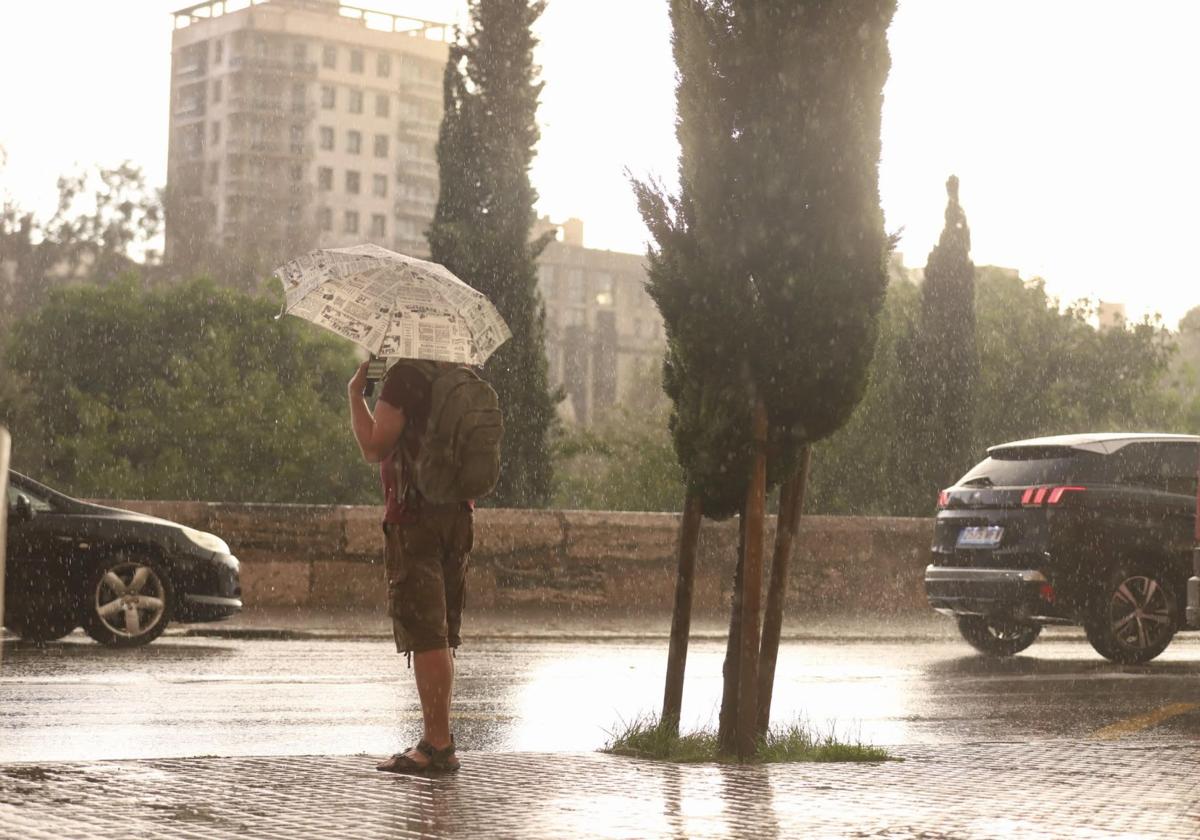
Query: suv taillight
[
  {"x": 943, "y": 499},
  {"x": 1038, "y": 496}
]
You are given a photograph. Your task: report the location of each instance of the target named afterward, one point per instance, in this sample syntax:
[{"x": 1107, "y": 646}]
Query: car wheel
[
  {"x": 997, "y": 636},
  {"x": 129, "y": 602},
  {"x": 1135, "y": 618}
]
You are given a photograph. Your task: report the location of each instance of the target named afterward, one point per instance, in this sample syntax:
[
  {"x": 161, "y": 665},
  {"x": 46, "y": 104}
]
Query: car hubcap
[
  {"x": 130, "y": 599},
  {"x": 1006, "y": 631},
  {"x": 1140, "y": 613}
]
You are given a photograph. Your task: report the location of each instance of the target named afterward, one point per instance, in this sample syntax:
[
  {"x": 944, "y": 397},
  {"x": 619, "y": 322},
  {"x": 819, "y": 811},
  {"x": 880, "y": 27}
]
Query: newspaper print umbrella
[{"x": 393, "y": 305}]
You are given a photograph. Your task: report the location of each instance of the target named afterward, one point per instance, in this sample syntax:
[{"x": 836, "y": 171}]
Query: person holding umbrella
[{"x": 435, "y": 433}]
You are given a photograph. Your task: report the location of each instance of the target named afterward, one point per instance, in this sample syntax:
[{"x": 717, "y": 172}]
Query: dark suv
[{"x": 1095, "y": 530}]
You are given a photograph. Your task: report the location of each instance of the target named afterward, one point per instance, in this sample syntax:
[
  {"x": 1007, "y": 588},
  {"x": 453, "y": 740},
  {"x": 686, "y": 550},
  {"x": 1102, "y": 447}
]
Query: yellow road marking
[{"x": 1140, "y": 722}]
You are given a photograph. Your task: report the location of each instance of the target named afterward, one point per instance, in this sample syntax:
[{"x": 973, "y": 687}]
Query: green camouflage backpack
[{"x": 459, "y": 455}]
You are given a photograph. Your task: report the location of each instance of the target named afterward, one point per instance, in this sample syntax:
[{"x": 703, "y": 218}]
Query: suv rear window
[{"x": 1025, "y": 466}]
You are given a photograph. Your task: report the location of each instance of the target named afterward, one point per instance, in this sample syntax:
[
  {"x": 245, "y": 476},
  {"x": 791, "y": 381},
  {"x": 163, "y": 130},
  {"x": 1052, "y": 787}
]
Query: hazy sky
[{"x": 1072, "y": 124}]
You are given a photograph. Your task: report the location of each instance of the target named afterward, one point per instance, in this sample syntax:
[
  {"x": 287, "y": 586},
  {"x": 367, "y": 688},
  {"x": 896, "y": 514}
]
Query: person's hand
[{"x": 358, "y": 383}]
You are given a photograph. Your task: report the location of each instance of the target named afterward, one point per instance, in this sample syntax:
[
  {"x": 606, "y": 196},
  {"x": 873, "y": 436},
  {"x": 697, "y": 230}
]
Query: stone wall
[{"x": 319, "y": 556}]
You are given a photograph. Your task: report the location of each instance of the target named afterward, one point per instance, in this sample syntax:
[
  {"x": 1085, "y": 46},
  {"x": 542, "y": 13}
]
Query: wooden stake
[
  {"x": 727, "y": 722},
  {"x": 752, "y": 577},
  {"x": 791, "y": 505},
  {"x": 681, "y": 619}
]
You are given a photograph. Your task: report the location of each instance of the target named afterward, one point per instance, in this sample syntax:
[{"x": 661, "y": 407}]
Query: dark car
[
  {"x": 1093, "y": 530},
  {"x": 121, "y": 575}
]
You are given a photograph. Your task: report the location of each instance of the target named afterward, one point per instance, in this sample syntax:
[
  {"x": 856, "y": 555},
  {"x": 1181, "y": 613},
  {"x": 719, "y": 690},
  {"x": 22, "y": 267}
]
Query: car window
[
  {"x": 1169, "y": 467},
  {"x": 1028, "y": 466}
]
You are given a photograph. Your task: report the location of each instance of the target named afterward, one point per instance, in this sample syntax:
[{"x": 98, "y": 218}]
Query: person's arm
[{"x": 378, "y": 434}]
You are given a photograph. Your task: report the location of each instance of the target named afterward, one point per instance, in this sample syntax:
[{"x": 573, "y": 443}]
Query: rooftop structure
[{"x": 604, "y": 335}]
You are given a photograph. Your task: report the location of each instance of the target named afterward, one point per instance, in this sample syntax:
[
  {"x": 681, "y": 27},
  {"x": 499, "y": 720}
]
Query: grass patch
[{"x": 648, "y": 737}]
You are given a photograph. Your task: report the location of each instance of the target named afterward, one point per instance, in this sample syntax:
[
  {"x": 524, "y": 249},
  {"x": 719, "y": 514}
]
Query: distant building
[
  {"x": 302, "y": 123},
  {"x": 1111, "y": 316},
  {"x": 604, "y": 335}
]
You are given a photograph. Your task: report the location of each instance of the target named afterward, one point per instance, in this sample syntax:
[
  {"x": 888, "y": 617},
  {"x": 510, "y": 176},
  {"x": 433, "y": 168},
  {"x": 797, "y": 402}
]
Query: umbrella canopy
[{"x": 393, "y": 305}]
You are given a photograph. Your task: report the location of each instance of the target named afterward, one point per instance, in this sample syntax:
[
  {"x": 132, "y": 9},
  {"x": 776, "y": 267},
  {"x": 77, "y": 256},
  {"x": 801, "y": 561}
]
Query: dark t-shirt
[{"x": 408, "y": 389}]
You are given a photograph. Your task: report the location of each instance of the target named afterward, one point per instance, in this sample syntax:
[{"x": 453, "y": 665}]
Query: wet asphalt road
[{"x": 200, "y": 696}]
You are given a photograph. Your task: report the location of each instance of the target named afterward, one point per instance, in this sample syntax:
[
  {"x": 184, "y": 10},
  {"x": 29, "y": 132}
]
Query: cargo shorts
[{"x": 426, "y": 563}]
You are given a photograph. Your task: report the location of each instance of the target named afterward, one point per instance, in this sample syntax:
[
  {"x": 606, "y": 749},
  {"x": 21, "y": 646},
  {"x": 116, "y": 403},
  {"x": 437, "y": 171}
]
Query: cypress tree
[
  {"x": 769, "y": 268},
  {"x": 944, "y": 368},
  {"x": 484, "y": 218}
]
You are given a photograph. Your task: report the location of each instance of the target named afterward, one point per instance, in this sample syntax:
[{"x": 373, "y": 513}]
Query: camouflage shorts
[{"x": 426, "y": 564}]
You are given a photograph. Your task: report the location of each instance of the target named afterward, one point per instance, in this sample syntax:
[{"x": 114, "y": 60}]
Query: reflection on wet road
[{"x": 184, "y": 696}]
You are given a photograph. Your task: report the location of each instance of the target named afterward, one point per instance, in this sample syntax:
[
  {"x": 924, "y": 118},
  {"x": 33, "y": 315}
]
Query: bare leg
[{"x": 434, "y": 672}]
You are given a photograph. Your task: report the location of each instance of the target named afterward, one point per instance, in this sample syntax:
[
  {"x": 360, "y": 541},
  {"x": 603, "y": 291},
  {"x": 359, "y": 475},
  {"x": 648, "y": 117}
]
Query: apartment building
[
  {"x": 604, "y": 336},
  {"x": 298, "y": 124}
]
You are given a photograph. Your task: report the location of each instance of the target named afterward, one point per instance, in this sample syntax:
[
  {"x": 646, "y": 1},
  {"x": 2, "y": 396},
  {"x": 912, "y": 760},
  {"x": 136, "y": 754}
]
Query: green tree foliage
[
  {"x": 941, "y": 361},
  {"x": 105, "y": 220},
  {"x": 191, "y": 392},
  {"x": 1042, "y": 371},
  {"x": 484, "y": 218},
  {"x": 769, "y": 266},
  {"x": 625, "y": 462}
]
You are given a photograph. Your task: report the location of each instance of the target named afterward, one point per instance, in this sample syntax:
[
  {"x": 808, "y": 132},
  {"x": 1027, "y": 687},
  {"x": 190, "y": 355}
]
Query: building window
[
  {"x": 216, "y": 132},
  {"x": 378, "y": 226},
  {"x": 381, "y": 145},
  {"x": 329, "y": 56},
  {"x": 356, "y": 61},
  {"x": 379, "y": 186},
  {"x": 327, "y": 137},
  {"x": 324, "y": 218},
  {"x": 296, "y": 135},
  {"x": 354, "y": 142},
  {"x": 356, "y": 102},
  {"x": 602, "y": 284},
  {"x": 383, "y": 65},
  {"x": 576, "y": 289},
  {"x": 383, "y": 105},
  {"x": 299, "y": 92},
  {"x": 218, "y": 50},
  {"x": 296, "y": 173},
  {"x": 216, "y": 90},
  {"x": 299, "y": 52},
  {"x": 351, "y": 222},
  {"x": 353, "y": 182},
  {"x": 214, "y": 172},
  {"x": 324, "y": 178},
  {"x": 328, "y": 96}
]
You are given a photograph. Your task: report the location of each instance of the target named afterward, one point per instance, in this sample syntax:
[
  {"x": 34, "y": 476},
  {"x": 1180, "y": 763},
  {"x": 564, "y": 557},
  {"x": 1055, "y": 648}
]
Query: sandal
[{"x": 440, "y": 761}]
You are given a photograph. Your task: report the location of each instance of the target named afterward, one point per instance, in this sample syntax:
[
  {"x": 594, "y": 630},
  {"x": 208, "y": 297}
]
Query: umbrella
[{"x": 393, "y": 305}]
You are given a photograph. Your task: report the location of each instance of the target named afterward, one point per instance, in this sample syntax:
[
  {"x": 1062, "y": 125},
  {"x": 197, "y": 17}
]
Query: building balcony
[
  {"x": 265, "y": 65},
  {"x": 422, "y": 132},
  {"x": 189, "y": 109},
  {"x": 415, "y": 169},
  {"x": 190, "y": 69},
  {"x": 238, "y": 145},
  {"x": 414, "y": 208},
  {"x": 271, "y": 106}
]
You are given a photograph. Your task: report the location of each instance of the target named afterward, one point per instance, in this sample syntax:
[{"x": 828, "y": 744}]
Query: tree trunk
[
  {"x": 681, "y": 619},
  {"x": 727, "y": 726},
  {"x": 791, "y": 505},
  {"x": 752, "y": 578}
]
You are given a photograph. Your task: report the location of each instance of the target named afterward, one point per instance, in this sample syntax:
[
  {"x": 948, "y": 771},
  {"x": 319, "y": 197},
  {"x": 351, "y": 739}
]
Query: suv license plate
[{"x": 980, "y": 536}]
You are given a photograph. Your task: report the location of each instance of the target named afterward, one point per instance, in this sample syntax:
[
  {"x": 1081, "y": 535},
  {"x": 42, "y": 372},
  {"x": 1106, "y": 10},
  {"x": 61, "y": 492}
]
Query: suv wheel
[
  {"x": 997, "y": 636},
  {"x": 129, "y": 602},
  {"x": 1135, "y": 619}
]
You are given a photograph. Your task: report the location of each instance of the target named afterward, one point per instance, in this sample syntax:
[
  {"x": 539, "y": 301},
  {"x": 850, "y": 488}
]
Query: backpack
[{"x": 459, "y": 455}]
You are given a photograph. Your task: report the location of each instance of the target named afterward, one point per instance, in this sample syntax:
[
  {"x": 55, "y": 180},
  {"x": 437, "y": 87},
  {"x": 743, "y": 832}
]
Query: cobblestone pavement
[{"x": 1048, "y": 789}]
